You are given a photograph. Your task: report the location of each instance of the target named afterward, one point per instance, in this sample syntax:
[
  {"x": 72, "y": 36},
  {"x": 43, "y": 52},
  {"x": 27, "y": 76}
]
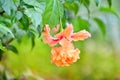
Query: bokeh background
[{"x": 99, "y": 57}]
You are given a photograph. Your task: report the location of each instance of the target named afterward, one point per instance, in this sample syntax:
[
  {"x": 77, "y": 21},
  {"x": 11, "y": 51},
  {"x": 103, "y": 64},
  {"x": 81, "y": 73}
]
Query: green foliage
[
  {"x": 24, "y": 22},
  {"x": 53, "y": 12},
  {"x": 109, "y": 10},
  {"x": 8, "y": 6},
  {"x": 110, "y": 3},
  {"x": 12, "y": 48},
  {"x": 86, "y": 3},
  {"x": 36, "y": 10},
  {"x": 101, "y": 25},
  {"x": 98, "y": 2},
  {"x": 32, "y": 36},
  {"x": 1, "y": 53},
  {"x": 5, "y": 31},
  {"x": 80, "y": 24},
  {"x": 72, "y": 6}
]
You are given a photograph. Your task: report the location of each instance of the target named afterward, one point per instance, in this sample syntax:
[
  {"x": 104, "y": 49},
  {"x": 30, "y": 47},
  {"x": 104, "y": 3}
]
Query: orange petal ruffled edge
[{"x": 62, "y": 56}]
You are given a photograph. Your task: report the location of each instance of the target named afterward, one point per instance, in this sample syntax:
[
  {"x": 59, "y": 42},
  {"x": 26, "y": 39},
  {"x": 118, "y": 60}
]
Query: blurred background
[{"x": 99, "y": 57}]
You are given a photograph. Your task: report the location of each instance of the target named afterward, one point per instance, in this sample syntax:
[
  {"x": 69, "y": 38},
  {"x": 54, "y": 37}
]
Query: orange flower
[
  {"x": 65, "y": 54},
  {"x": 66, "y": 33}
]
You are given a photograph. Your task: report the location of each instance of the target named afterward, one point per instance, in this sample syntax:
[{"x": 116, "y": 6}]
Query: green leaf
[
  {"x": 53, "y": 12},
  {"x": 1, "y": 44},
  {"x": 72, "y": 6},
  {"x": 5, "y": 21},
  {"x": 32, "y": 37},
  {"x": 5, "y": 30},
  {"x": 2, "y": 47},
  {"x": 9, "y": 5},
  {"x": 12, "y": 48},
  {"x": 109, "y": 10},
  {"x": 1, "y": 54},
  {"x": 24, "y": 22},
  {"x": 80, "y": 24},
  {"x": 39, "y": 30},
  {"x": 109, "y": 2},
  {"x": 35, "y": 16},
  {"x": 13, "y": 18},
  {"x": 97, "y": 2},
  {"x": 35, "y": 13},
  {"x": 38, "y": 4},
  {"x": 18, "y": 15},
  {"x": 18, "y": 33},
  {"x": 101, "y": 25},
  {"x": 86, "y": 4}
]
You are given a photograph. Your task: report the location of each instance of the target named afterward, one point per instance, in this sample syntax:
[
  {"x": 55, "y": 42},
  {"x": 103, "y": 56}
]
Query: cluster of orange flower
[{"x": 65, "y": 53}]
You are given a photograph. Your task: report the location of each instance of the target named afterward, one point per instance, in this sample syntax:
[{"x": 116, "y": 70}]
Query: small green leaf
[
  {"x": 39, "y": 4},
  {"x": 18, "y": 15},
  {"x": 1, "y": 44},
  {"x": 9, "y": 5},
  {"x": 86, "y": 4},
  {"x": 1, "y": 54},
  {"x": 2, "y": 47},
  {"x": 12, "y": 48},
  {"x": 98, "y": 2},
  {"x": 35, "y": 12},
  {"x": 5, "y": 21},
  {"x": 5, "y": 30},
  {"x": 72, "y": 6},
  {"x": 109, "y": 10},
  {"x": 35, "y": 16},
  {"x": 80, "y": 24},
  {"x": 39, "y": 30},
  {"x": 101, "y": 25},
  {"x": 24, "y": 22},
  {"x": 109, "y": 2},
  {"x": 32, "y": 37}
]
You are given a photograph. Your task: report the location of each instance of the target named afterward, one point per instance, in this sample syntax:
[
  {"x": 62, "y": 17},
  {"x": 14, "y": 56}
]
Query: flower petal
[
  {"x": 47, "y": 38},
  {"x": 62, "y": 56},
  {"x": 80, "y": 35},
  {"x": 66, "y": 44},
  {"x": 56, "y": 29},
  {"x": 66, "y": 33}
]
